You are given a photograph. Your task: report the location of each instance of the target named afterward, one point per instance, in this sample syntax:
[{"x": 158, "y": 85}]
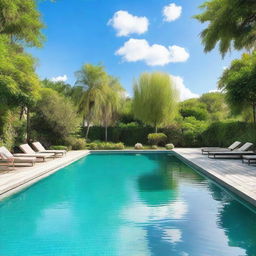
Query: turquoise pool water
[{"x": 126, "y": 205}]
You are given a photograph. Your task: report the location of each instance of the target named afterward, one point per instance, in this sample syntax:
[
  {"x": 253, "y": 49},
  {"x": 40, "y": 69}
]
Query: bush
[
  {"x": 105, "y": 145},
  {"x": 169, "y": 146},
  {"x": 138, "y": 146},
  {"x": 76, "y": 143},
  {"x": 157, "y": 138},
  {"x": 59, "y": 147},
  {"x": 154, "y": 146}
]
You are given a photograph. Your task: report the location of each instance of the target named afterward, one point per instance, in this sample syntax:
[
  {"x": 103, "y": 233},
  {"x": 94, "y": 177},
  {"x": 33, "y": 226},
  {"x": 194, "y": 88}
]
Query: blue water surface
[{"x": 126, "y": 205}]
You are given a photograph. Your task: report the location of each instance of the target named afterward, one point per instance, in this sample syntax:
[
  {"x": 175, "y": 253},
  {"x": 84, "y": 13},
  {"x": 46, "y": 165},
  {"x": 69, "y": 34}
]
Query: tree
[
  {"x": 110, "y": 105},
  {"x": 20, "y": 21},
  {"x": 19, "y": 84},
  {"x": 193, "y": 107},
  {"x": 155, "y": 99},
  {"x": 93, "y": 79},
  {"x": 230, "y": 23},
  {"x": 216, "y": 105},
  {"x": 54, "y": 117},
  {"x": 238, "y": 81}
]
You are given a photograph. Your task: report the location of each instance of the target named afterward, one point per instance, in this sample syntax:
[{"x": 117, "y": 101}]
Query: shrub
[
  {"x": 157, "y": 138},
  {"x": 154, "y": 146},
  {"x": 169, "y": 146},
  {"x": 138, "y": 146},
  {"x": 76, "y": 143},
  {"x": 105, "y": 145},
  {"x": 59, "y": 147}
]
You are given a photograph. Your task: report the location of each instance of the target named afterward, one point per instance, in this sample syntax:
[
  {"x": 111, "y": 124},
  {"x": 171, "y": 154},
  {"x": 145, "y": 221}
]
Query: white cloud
[
  {"x": 184, "y": 92},
  {"x": 215, "y": 90},
  {"x": 63, "y": 78},
  {"x": 171, "y": 12},
  {"x": 154, "y": 55},
  {"x": 125, "y": 23}
]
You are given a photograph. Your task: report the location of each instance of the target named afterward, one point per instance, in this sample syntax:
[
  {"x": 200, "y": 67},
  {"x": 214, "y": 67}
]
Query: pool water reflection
[{"x": 126, "y": 204}]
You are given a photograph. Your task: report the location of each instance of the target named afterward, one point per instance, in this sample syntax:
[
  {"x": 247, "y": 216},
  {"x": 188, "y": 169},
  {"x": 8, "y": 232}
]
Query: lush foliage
[
  {"x": 98, "y": 145},
  {"x": 229, "y": 23},
  {"x": 59, "y": 147},
  {"x": 101, "y": 96},
  {"x": 238, "y": 81},
  {"x": 75, "y": 143},
  {"x": 209, "y": 107},
  {"x": 154, "y": 99},
  {"x": 157, "y": 139},
  {"x": 55, "y": 117},
  {"x": 21, "y": 20},
  {"x": 223, "y": 134}
]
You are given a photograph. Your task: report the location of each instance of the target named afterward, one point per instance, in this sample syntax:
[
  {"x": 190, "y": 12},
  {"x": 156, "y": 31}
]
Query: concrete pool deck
[
  {"x": 12, "y": 181},
  {"x": 231, "y": 173}
]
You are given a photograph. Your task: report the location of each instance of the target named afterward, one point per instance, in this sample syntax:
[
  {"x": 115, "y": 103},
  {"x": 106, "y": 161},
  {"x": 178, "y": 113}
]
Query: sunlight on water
[{"x": 126, "y": 205}]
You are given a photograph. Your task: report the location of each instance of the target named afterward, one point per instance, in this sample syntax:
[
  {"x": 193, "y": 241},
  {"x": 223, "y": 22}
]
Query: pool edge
[{"x": 45, "y": 173}]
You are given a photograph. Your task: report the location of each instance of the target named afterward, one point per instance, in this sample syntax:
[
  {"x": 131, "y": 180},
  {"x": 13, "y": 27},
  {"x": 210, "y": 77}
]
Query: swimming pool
[{"x": 126, "y": 205}]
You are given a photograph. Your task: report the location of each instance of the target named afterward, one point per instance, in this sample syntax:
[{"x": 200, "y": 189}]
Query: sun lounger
[
  {"x": 28, "y": 151},
  {"x": 7, "y": 157},
  {"x": 237, "y": 153},
  {"x": 212, "y": 149},
  {"x": 40, "y": 149},
  {"x": 249, "y": 159}
]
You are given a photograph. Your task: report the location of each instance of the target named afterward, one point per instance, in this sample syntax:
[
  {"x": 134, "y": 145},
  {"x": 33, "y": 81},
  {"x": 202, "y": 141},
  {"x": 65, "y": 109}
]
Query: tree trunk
[
  {"x": 156, "y": 129},
  {"x": 254, "y": 113},
  {"x": 28, "y": 125},
  {"x": 106, "y": 133},
  {"x": 87, "y": 130}
]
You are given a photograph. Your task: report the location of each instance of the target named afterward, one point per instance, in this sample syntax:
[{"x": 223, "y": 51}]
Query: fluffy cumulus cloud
[
  {"x": 184, "y": 92},
  {"x": 125, "y": 23},
  {"x": 171, "y": 12},
  {"x": 154, "y": 55},
  {"x": 63, "y": 78}
]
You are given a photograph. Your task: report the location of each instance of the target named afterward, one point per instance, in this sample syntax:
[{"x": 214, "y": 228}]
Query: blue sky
[{"x": 79, "y": 32}]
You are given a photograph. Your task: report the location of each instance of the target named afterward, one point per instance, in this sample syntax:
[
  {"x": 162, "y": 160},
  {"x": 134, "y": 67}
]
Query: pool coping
[{"x": 237, "y": 192}]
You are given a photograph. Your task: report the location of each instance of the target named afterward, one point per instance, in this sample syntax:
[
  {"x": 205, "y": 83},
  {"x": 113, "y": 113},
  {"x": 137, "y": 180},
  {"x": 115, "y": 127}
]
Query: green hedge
[
  {"x": 217, "y": 134},
  {"x": 223, "y": 134},
  {"x": 128, "y": 135}
]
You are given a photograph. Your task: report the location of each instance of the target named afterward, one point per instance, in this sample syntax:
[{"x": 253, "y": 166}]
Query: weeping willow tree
[{"x": 155, "y": 99}]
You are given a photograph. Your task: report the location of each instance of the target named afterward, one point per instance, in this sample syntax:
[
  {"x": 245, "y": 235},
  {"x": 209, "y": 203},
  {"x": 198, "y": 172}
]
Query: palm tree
[
  {"x": 113, "y": 95},
  {"x": 93, "y": 79}
]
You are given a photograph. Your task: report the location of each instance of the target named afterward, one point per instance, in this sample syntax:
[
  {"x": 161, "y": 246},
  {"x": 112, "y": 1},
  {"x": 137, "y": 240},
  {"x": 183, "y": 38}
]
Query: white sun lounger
[
  {"x": 40, "y": 149},
  {"x": 28, "y": 151},
  {"x": 7, "y": 157}
]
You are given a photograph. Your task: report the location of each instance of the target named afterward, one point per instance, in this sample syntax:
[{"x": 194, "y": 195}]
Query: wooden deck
[
  {"x": 21, "y": 177},
  {"x": 232, "y": 173}
]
